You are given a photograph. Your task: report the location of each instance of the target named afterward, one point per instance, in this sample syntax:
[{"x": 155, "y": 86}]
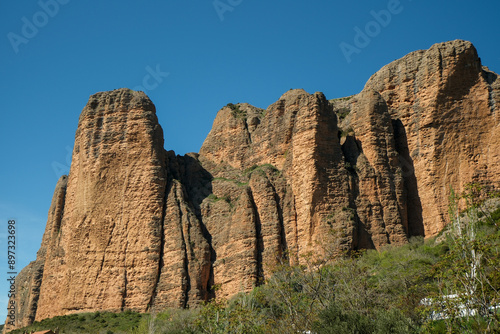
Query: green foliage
[
  {"x": 402, "y": 276},
  {"x": 97, "y": 322},
  {"x": 294, "y": 295},
  {"x": 495, "y": 217},
  {"x": 238, "y": 316},
  {"x": 264, "y": 169},
  {"x": 170, "y": 321},
  {"x": 335, "y": 320},
  {"x": 469, "y": 273},
  {"x": 236, "y": 111},
  {"x": 250, "y": 169},
  {"x": 214, "y": 198},
  {"x": 237, "y": 182}
]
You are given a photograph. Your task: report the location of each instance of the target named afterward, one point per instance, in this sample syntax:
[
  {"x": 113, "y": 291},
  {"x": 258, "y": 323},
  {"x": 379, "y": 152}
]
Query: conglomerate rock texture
[
  {"x": 447, "y": 105},
  {"x": 136, "y": 227}
]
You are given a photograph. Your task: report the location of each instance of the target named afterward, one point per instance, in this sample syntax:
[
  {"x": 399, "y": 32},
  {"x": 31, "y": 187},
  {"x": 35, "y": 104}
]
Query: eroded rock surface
[
  {"x": 447, "y": 103},
  {"x": 136, "y": 227}
]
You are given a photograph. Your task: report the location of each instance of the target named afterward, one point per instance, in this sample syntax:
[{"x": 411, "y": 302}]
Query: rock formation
[
  {"x": 447, "y": 105},
  {"x": 136, "y": 227}
]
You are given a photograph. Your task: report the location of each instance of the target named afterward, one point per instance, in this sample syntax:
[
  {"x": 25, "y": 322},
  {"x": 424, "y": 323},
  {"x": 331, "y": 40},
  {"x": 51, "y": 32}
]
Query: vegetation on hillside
[
  {"x": 96, "y": 322},
  {"x": 448, "y": 284}
]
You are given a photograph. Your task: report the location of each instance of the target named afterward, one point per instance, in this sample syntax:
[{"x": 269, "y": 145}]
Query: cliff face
[
  {"x": 136, "y": 227},
  {"x": 112, "y": 212},
  {"x": 447, "y": 105}
]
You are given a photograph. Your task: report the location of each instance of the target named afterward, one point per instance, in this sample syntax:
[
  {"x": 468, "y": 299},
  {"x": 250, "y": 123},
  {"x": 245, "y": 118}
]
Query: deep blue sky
[{"x": 252, "y": 53}]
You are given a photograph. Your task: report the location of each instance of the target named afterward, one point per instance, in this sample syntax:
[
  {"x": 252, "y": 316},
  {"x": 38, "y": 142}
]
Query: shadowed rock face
[{"x": 136, "y": 227}]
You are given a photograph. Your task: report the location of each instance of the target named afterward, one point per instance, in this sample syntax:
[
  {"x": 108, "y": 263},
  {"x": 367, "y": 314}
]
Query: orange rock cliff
[{"x": 134, "y": 226}]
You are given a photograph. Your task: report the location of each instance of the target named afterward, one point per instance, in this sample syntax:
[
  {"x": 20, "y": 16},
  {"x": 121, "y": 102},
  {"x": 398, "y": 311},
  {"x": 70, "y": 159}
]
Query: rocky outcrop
[
  {"x": 137, "y": 227},
  {"x": 379, "y": 187},
  {"x": 106, "y": 254},
  {"x": 115, "y": 235},
  {"x": 29, "y": 280},
  {"x": 447, "y": 104}
]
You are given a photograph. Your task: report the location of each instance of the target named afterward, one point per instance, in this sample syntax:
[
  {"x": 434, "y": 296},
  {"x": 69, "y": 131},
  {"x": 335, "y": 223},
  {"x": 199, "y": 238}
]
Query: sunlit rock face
[{"x": 134, "y": 226}]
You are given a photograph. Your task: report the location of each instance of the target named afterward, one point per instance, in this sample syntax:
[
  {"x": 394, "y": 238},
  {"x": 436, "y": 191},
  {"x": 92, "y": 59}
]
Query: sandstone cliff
[
  {"x": 447, "y": 104},
  {"x": 136, "y": 227}
]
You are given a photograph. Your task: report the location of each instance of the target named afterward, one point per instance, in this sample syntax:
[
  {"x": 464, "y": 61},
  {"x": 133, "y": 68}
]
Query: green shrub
[
  {"x": 236, "y": 111},
  {"x": 96, "y": 322}
]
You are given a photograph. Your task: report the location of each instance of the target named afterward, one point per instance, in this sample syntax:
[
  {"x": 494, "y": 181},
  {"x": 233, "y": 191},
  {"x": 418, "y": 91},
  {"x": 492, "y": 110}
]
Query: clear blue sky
[{"x": 53, "y": 59}]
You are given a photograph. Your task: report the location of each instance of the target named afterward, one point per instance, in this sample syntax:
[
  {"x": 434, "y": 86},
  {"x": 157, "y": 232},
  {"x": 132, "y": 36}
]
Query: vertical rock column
[
  {"x": 106, "y": 253},
  {"x": 380, "y": 195}
]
